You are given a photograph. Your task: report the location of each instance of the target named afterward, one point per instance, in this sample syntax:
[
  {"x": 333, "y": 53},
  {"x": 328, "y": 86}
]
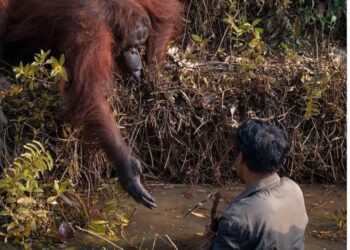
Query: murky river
[
  {"x": 158, "y": 228},
  {"x": 165, "y": 226}
]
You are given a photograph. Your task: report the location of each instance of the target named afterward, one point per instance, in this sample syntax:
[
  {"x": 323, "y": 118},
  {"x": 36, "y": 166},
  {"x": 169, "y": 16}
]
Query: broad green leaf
[
  {"x": 256, "y": 21},
  {"x": 245, "y": 26}
]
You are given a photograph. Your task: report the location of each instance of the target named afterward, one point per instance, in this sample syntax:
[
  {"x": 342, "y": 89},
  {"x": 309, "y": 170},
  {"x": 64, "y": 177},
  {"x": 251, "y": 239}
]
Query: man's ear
[{"x": 240, "y": 158}]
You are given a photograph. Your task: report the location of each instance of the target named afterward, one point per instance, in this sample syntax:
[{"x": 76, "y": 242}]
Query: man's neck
[{"x": 251, "y": 177}]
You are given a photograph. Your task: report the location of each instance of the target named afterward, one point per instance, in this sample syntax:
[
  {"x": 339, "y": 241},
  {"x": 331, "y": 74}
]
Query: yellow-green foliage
[
  {"x": 200, "y": 40},
  {"x": 25, "y": 209},
  {"x": 38, "y": 71},
  {"x": 33, "y": 100},
  {"x": 111, "y": 221},
  {"x": 315, "y": 84},
  {"x": 339, "y": 218},
  {"x": 38, "y": 193},
  {"x": 34, "y": 202},
  {"x": 250, "y": 30}
]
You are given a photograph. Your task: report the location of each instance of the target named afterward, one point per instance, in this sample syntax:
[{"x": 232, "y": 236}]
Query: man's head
[{"x": 262, "y": 146}]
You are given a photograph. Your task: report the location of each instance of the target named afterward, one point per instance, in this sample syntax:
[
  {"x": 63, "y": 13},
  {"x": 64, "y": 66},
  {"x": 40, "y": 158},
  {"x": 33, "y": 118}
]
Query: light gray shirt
[{"x": 269, "y": 214}]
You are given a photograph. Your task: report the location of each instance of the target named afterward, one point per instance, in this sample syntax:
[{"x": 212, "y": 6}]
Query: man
[{"x": 270, "y": 213}]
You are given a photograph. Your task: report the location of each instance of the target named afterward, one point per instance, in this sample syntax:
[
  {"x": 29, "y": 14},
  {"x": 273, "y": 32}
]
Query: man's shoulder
[
  {"x": 246, "y": 209},
  {"x": 259, "y": 216},
  {"x": 263, "y": 201},
  {"x": 291, "y": 186},
  {"x": 289, "y": 181}
]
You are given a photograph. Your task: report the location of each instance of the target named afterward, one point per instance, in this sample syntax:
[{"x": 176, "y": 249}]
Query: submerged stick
[
  {"x": 154, "y": 241},
  {"x": 216, "y": 201},
  {"x": 98, "y": 236},
  {"x": 172, "y": 243},
  {"x": 200, "y": 204}
]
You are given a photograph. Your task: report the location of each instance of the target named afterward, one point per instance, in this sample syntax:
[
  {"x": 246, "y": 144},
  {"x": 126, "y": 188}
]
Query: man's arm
[{"x": 230, "y": 235}]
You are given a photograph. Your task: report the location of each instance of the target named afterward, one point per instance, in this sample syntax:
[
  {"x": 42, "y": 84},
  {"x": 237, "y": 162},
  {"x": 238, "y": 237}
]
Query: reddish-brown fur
[
  {"x": 90, "y": 33},
  {"x": 4, "y": 4},
  {"x": 3, "y": 15}
]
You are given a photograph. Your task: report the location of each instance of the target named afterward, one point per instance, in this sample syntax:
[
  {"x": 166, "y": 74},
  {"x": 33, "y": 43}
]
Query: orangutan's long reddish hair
[{"x": 90, "y": 33}]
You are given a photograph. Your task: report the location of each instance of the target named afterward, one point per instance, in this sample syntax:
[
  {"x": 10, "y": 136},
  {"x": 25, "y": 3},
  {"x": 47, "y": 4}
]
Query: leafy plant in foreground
[
  {"x": 24, "y": 206},
  {"x": 37, "y": 197},
  {"x": 41, "y": 70}
]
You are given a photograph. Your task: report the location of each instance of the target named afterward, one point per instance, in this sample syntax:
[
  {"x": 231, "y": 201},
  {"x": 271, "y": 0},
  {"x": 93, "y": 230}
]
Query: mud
[
  {"x": 150, "y": 228},
  {"x": 166, "y": 228}
]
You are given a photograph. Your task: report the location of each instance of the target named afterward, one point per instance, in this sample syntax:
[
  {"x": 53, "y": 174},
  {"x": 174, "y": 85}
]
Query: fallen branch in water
[
  {"x": 98, "y": 236},
  {"x": 172, "y": 243},
  {"x": 216, "y": 200},
  {"x": 200, "y": 204}
]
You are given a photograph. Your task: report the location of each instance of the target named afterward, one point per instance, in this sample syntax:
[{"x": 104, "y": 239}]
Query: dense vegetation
[{"x": 283, "y": 61}]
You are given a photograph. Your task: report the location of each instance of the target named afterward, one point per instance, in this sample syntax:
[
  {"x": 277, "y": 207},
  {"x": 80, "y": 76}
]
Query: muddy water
[
  {"x": 149, "y": 228},
  {"x": 158, "y": 228}
]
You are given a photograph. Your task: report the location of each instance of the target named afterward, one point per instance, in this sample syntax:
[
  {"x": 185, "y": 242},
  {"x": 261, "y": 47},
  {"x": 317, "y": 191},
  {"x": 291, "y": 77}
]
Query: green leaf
[
  {"x": 56, "y": 185},
  {"x": 63, "y": 187},
  {"x": 62, "y": 59},
  {"x": 29, "y": 201},
  {"x": 53, "y": 73},
  {"x": 31, "y": 185},
  {"x": 258, "y": 31},
  {"x": 49, "y": 161},
  {"x": 38, "y": 144},
  {"x": 229, "y": 20},
  {"x": 54, "y": 61},
  {"x": 33, "y": 150},
  {"x": 245, "y": 26},
  {"x": 238, "y": 30},
  {"x": 99, "y": 222},
  {"x": 38, "y": 190},
  {"x": 196, "y": 38},
  {"x": 284, "y": 46},
  {"x": 22, "y": 187},
  {"x": 63, "y": 74},
  {"x": 256, "y": 21}
]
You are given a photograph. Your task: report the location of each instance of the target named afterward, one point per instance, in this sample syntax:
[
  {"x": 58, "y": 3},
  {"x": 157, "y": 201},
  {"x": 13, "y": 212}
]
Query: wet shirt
[{"x": 269, "y": 214}]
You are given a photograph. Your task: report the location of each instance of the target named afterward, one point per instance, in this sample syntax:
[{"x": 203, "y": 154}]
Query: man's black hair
[{"x": 264, "y": 145}]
